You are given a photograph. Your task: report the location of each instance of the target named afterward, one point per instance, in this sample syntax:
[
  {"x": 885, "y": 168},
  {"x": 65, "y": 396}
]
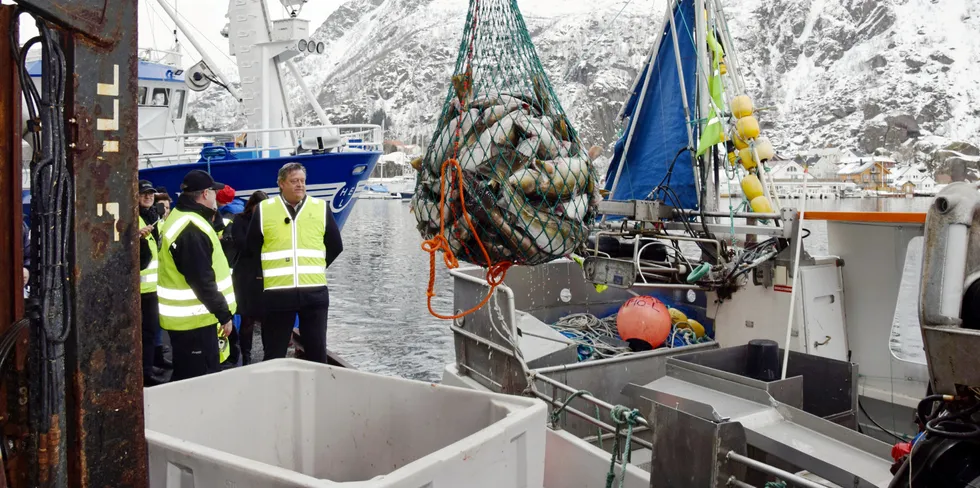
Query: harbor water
[{"x": 379, "y": 320}]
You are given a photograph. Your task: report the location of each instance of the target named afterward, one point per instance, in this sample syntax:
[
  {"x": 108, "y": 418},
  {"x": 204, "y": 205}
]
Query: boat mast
[{"x": 204, "y": 54}]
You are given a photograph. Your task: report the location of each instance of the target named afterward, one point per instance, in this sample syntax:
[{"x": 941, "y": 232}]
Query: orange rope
[{"x": 495, "y": 273}]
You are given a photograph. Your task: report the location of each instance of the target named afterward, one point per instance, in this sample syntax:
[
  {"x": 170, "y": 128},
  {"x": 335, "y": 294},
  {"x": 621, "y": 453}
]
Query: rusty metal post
[
  {"x": 104, "y": 368},
  {"x": 96, "y": 436},
  {"x": 13, "y": 381}
]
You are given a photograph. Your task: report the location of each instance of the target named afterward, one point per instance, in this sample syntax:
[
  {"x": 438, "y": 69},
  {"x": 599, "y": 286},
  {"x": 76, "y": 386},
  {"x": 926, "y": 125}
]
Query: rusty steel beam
[
  {"x": 94, "y": 18},
  {"x": 94, "y": 434},
  {"x": 13, "y": 381},
  {"x": 104, "y": 370}
]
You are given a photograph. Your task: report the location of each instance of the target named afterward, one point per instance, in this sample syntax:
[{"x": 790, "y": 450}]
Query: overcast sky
[{"x": 205, "y": 19}]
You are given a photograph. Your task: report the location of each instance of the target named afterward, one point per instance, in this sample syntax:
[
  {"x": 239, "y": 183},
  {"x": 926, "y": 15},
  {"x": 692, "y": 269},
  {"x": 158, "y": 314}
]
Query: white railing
[
  {"x": 354, "y": 137},
  {"x": 159, "y": 56}
]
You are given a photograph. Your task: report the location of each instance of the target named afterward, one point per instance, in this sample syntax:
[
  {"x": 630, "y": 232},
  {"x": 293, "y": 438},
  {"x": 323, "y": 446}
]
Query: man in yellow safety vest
[
  {"x": 295, "y": 238},
  {"x": 195, "y": 288}
]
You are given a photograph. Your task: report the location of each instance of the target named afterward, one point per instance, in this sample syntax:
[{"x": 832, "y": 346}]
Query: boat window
[
  {"x": 161, "y": 97},
  {"x": 177, "y": 107},
  {"x": 141, "y": 98}
]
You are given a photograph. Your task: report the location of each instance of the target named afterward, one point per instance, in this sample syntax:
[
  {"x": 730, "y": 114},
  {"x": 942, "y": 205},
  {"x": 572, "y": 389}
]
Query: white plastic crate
[{"x": 291, "y": 423}]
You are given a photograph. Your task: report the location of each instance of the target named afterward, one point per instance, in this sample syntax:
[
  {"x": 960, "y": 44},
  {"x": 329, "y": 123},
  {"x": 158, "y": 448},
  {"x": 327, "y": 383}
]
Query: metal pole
[
  {"x": 687, "y": 108},
  {"x": 738, "y": 484},
  {"x": 586, "y": 397},
  {"x": 744, "y": 215},
  {"x": 320, "y": 114},
  {"x": 704, "y": 100},
  {"x": 591, "y": 419},
  {"x": 207, "y": 59},
  {"x": 796, "y": 277},
  {"x": 655, "y": 51},
  {"x": 622, "y": 359},
  {"x": 772, "y": 470}
]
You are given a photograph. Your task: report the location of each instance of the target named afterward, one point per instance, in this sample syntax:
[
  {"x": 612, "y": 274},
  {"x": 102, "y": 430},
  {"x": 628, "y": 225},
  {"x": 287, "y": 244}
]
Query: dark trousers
[
  {"x": 195, "y": 352},
  {"x": 150, "y": 311},
  {"x": 245, "y": 337},
  {"x": 277, "y": 329}
]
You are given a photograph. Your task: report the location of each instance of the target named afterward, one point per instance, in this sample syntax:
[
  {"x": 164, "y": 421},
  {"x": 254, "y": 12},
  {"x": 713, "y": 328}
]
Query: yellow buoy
[
  {"x": 742, "y": 106},
  {"x": 676, "y": 316},
  {"x": 761, "y": 204},
  {"x": 751, "y": 187},
  {"x": 748, "y": 162},
  {"x": 748, "y": 127},
  {"x": 764, "y": 149},
  {"x": 693, "y": 325},
  {"x": 722, "y": 69},
  {"x": 739, "y": 143},
  {"x": 731, "y": 159}
]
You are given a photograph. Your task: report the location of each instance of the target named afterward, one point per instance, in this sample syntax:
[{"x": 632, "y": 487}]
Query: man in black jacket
[
  {"x": 293, "y": 221},
  {"x": 195, "y": 288}
]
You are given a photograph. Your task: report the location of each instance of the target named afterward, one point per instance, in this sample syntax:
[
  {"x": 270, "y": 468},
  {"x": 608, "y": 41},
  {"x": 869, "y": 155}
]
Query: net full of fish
[{"x": 529, "y": 188}]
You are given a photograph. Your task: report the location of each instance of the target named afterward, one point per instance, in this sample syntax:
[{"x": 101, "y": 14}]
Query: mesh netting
[{"x": 505, "y": 177}]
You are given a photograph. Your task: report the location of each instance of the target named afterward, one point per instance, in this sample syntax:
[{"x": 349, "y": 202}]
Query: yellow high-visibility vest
[
  {"x": 148, "y": 276},
  {"x": 293, "y": 252},
  {"x": 180, "y": 309}
]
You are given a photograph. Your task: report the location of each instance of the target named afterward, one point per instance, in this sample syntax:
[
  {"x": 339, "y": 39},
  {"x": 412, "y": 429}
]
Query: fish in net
[{"x": 505, "y": 178}]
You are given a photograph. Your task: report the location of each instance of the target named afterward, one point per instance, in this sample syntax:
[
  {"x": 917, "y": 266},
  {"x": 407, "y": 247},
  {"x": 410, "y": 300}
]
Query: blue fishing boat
[{"x": 338, "y": 158}]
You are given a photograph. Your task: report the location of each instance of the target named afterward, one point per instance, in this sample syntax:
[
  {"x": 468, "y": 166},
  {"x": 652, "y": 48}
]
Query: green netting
[{"x": 529, "y": 185}]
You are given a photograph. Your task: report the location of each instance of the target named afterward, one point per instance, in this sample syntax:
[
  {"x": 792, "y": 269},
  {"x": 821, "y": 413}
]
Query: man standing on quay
[{"x": 295, "y": 238}]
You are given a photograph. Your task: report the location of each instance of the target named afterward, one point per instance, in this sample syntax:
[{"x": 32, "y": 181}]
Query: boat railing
[
  {"x": 158, "y": 55},
  {"x": 353, "y": 137}
]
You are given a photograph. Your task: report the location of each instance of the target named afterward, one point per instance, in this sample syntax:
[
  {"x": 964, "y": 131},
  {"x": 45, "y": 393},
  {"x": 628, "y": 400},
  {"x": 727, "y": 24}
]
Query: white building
[{"x": 786, "y": 171}]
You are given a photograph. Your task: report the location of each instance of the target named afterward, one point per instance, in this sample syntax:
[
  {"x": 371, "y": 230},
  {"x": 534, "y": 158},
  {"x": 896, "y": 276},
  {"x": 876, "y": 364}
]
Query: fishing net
[{"x": 505, "y": 178}]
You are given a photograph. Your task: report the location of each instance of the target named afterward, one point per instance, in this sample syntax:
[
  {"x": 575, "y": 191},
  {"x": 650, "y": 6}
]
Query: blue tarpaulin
[{"x": 660, "y": 126}]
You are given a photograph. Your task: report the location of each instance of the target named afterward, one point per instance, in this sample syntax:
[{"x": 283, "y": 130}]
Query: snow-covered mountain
[{"x": 892, "y": 75}]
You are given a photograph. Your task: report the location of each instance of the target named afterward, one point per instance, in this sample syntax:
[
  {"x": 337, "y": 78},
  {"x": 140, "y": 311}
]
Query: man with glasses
[{"x": 195, "y": 290}]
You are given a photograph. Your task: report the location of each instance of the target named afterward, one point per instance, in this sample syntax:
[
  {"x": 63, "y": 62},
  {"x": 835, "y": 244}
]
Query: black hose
[
  {"x": 876, "y": 424},
  {"x": 949, "y": 427}
]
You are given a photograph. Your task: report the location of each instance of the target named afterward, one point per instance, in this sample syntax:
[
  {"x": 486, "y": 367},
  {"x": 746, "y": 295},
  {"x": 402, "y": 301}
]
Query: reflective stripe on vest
[
  {"x": 148, "y": 276},
  {"x": 293, "y": 252},
  {"x": 180, "y": 309}
]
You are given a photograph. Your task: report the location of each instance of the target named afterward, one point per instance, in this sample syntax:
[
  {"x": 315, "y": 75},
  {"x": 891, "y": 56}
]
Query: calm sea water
[{"x": 378, "y": 315}]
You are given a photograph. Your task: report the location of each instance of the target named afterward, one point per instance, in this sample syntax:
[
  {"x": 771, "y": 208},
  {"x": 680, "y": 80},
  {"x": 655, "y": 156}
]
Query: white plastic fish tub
[{"x": 291, "y": 423}]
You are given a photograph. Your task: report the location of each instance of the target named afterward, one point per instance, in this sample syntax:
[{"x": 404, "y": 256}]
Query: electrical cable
[{"x": 876, "y": 424}]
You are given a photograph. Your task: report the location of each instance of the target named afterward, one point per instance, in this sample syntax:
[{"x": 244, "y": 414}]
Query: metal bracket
[
  {"x": 636, "y": 209},
  {"x": 612, "y": 272}
]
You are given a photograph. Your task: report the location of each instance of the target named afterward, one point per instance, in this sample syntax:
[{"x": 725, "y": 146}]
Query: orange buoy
[{"x": 644, "y": 318}]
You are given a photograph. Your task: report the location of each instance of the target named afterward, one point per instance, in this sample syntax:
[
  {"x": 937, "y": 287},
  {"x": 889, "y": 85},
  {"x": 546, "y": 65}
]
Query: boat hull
[{"x": 333, "y": 177}]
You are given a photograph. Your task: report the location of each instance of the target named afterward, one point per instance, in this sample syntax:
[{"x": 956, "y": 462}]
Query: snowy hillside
[{"x": 860, "y": 74}]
